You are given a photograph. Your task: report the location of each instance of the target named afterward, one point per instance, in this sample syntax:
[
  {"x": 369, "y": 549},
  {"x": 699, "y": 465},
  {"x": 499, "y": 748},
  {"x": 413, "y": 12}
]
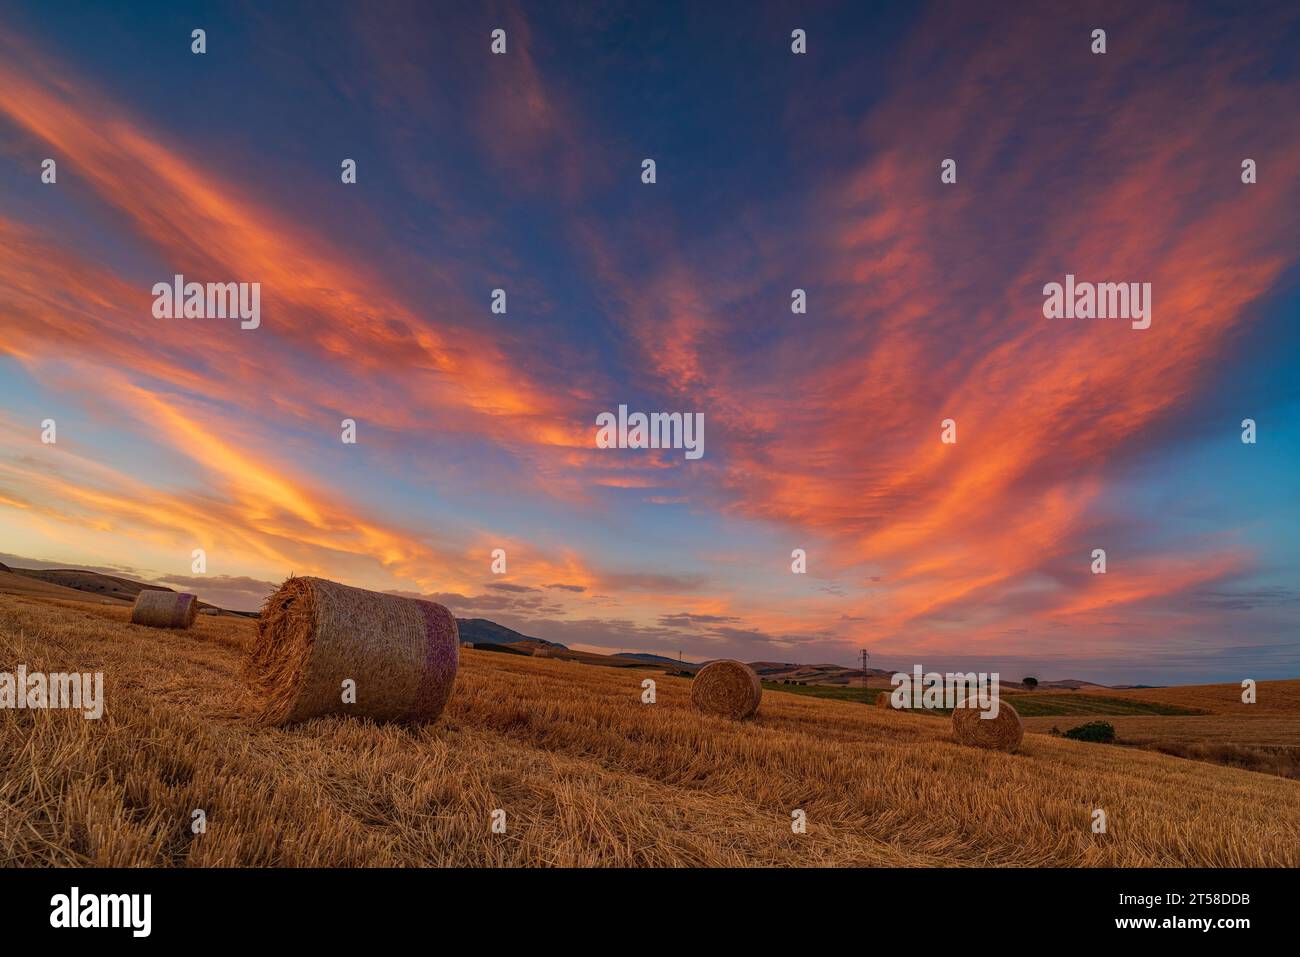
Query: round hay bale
[
  {"x": 882, "y": 700},
  {"x": 727, "y": 688},
  {"x": 1002, "y": 733},
  {"x": 164, "y": 609},
  {"x": 313, "y": 635}
]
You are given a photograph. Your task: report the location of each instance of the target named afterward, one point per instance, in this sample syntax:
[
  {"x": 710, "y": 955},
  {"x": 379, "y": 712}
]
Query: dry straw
[
  {"x": 313, "y": 635},
  {"x": 1002, "y": 733},
  {"x": 727, "y": 688},
  {"x": 164, "y": 609}
]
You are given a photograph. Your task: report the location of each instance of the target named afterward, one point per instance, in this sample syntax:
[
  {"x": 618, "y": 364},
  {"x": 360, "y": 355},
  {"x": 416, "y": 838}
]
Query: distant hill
[
  {"x": 69, "y": 581},
  {"x": 507, "y": 649},
  {"x": 826, "y": 674},
  {"x": 14, "y": 582},
  {"x": 660, "y": 660},
  {"x": 1069, "y": 684},
  {"x": 480, "y": 631},
  {"x": 96, "y": 582}
]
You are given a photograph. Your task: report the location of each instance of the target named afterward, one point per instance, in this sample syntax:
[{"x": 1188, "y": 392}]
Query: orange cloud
[
  {"x": 314, "y": 298},
  {"x": 835, "y": 428},
  {"x": 925, "y": 307}
]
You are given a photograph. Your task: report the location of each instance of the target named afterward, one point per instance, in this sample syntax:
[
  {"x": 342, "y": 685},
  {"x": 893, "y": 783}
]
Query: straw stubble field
[{"x": 586, "y": 773}]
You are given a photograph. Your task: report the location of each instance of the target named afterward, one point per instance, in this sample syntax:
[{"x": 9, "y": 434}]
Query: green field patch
[
  {"x": 1032, "y": 704},
  {"x": 1048, "y": 704},
  {"x": 834, "y": 692}
]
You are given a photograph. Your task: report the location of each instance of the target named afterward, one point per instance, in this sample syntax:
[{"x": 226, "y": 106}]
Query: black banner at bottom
[{"x": 532, "y": 906}]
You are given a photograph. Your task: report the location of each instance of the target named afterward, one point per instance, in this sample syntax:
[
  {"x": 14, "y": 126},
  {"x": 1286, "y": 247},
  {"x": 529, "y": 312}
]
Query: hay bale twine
[
  {"x": 1002, "y": 733},
  {"x": 727, "y": 688},
  {"x": 164, "y": 609},
  {"x": 314, "y": 634}
]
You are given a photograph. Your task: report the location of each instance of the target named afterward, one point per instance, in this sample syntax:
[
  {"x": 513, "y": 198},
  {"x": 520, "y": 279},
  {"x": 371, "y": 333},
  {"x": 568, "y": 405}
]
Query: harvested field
[
  {"x": 587, "y": 774},
  {"x": 1274, "y": 697},
  {"x": 1262, "y": 729}
]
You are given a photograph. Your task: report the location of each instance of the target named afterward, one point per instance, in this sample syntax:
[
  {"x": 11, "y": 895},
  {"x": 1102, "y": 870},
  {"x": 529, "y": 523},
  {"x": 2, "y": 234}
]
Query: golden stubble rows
[{"x": 586, "y": 773}]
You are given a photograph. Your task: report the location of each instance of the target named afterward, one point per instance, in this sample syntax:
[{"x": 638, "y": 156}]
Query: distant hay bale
[
  {"x": 164, "y": 609},
  {"x": 727, "y": 688},
  {"x": 313, "y": 635},
  {"x": 1002, "y": 733},
  {"x": 882, "y": 700},
  {"x": 209, "y": 611}
]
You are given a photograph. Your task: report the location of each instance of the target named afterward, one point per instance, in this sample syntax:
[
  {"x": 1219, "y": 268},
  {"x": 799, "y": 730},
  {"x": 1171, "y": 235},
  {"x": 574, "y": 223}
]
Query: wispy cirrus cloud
[
  {"x": 822, "y": 428},
  {"x": 926, "y": 306}
]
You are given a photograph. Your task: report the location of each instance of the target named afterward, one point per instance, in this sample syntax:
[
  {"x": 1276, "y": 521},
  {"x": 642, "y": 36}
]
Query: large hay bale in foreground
[
  {"x": 164, "y": 609},
  {"x": 1002, "y": 733},
  {"x": 313, "y": 635},
  {"x": 727, "y": 688}
]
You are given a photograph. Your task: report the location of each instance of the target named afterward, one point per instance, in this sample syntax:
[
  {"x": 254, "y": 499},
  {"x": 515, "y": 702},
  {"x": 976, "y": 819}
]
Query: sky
[{"x": 774, "y": 171}]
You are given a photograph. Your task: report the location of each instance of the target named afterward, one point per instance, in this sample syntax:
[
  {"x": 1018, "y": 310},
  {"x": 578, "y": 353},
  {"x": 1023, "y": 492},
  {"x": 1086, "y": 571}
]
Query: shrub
[{"x": 1102, "y": 731}]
